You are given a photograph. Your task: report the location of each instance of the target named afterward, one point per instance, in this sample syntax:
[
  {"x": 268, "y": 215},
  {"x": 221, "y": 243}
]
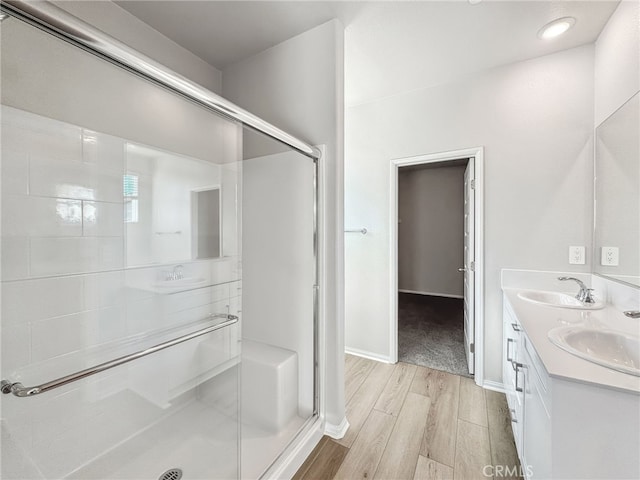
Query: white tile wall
[
  {"x": 15, "y": 258},
  {"x": 144, "y": 316},
  {"x": 104, "y": 289},
  {"x": 61, "y": 256},
  {"x": 102, "y": 219},
  {"x": 24, "y": 215},
  {"x": 16, "y": 347},
  {"x": 60, "y": 335},
  {"x": 111, "y": 324},
  {"x": 73, "y": 179},
  {"x": 104, "y": 152},
  {"x": 15, "y": 170},
  {"x": 37, "y": 135},
  {"x": 62, "y": 205},
  {"x": 55, "y": 297}
]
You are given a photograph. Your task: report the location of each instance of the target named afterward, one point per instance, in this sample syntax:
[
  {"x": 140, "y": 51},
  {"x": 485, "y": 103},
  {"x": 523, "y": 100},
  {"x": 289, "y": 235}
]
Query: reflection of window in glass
[
  {"x": 69, "y": 211},
  {"x": 130, "y": 189}
]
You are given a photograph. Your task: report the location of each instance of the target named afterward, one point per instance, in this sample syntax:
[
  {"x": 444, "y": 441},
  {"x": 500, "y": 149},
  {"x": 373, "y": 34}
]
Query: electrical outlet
[
  {"x": 609, "y": 256},
  {"x": 576, "y": 255}
]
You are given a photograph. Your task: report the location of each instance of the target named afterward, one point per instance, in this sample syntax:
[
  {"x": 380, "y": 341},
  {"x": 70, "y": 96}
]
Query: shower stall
[{"x": 159, "y": 268}]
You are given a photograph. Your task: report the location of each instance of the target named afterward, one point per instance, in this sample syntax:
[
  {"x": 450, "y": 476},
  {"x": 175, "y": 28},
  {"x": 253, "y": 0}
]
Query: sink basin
[
  {"x": 615, "y": 350},
  {"x": 556, "y": 299},
  {"x": 183, "y": 283}
]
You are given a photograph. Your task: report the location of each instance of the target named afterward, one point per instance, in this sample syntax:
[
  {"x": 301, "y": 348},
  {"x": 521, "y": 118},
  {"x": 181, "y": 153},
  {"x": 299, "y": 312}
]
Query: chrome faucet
[
  {"x": 176, "y": 274},
  {"x": 584, "y": 295}
]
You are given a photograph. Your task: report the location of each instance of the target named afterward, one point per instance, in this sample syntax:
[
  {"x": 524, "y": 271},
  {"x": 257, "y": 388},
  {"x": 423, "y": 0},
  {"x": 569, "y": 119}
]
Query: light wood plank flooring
[{"x": 414, "y": 423}]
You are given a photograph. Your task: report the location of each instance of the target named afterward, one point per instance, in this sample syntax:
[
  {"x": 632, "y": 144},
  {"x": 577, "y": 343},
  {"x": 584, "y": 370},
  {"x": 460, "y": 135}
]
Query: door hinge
[
  {"x": 472, "y": 347},
  {"x": 472, "y": 266},
  {"x": 473, "y": 184}
]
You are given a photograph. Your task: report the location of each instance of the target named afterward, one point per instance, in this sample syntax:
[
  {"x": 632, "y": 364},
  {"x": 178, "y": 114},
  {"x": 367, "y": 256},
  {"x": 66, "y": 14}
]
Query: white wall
[
  {"x": 117, "y": 22},
  {"x": 617, "y": 60},
  {"x": 298, "y": 86},
  {"x": 535, "y": 120},
  {"x": 430, "y": 229}
]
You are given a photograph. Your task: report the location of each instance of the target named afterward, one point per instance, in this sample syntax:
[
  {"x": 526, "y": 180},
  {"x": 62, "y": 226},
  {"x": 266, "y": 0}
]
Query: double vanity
[
  {"x": 571, "y": 371},
  {"x": 571, "y": 344}
]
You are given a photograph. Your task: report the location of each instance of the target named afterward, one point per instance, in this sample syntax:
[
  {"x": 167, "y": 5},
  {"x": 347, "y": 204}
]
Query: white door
[{"x": 469, "y": 263}]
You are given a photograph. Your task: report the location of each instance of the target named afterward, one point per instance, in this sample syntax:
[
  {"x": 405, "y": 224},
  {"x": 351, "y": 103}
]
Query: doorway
[{"x": 436, "y": 261}]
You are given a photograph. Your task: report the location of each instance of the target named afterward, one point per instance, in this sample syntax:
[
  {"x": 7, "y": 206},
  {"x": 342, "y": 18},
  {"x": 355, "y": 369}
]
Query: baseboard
[
  {"x": 369, "y": 355},
  {"x": 495, "y": 386},
  {"x": 336, "y": 431},
  {"x": 295, "y": 455},
  {"x": 431, "y": 294}
]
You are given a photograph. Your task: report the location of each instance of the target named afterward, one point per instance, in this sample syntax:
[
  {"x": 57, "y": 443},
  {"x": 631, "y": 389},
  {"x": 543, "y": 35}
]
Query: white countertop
[{"x": 537, "y": 320}]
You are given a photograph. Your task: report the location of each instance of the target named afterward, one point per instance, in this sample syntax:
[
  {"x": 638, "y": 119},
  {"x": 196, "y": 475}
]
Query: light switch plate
[
  {"x": 609, "y": 256},
  {"x": 576, "y": 256}
]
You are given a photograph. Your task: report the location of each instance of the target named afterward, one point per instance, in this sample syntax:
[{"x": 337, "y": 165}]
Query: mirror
[
  {"x": 172, "y": 207},
  {"x": 617, "y": 195}
]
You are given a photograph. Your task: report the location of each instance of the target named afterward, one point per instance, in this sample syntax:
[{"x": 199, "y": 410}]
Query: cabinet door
[
  {"x": 537, "y": 426},
  {"x": 512, "y": 374}
]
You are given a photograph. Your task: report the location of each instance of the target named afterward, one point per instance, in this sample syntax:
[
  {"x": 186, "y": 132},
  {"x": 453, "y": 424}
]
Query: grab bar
[{"x": 20, "y": 390}]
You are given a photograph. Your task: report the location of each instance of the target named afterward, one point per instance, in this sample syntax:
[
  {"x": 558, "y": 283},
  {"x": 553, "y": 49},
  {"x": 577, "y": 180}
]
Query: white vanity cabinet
[
  {"x": 512, "y": 372},
  {"x": 564, "y": 428}
]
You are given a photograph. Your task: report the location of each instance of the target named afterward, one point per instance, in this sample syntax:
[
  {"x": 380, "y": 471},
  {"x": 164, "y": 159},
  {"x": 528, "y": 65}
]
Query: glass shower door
[
  {"x": 279, "y": 235},
  {"x": 120, "y": 242}
]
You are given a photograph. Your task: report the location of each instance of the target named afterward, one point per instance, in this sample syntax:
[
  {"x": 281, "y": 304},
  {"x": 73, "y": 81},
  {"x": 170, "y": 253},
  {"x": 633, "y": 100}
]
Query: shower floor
[{"x": 198, "y": 439}]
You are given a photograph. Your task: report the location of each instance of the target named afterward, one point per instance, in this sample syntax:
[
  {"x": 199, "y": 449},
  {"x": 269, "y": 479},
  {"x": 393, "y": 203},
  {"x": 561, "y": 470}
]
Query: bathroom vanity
[{"x": 571, "y": 418}]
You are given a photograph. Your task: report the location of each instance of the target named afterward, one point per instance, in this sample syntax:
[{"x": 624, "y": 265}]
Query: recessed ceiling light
[
  {"x": 557, "y": 27},
  {"x": 474, "y": 2}
]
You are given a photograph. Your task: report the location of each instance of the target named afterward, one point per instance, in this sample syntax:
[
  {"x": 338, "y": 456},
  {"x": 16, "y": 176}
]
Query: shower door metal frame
[{"x": 58, "y": 22}]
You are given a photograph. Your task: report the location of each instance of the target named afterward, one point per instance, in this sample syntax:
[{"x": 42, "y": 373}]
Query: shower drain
[{"x": 173, "y": 474}]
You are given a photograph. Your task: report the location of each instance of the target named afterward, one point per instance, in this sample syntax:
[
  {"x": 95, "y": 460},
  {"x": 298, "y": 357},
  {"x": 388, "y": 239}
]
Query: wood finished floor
[{"x": 411, "y": 422}]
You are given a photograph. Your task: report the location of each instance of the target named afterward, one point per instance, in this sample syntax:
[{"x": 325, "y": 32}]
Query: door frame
[{"x": 477, "y": 155}]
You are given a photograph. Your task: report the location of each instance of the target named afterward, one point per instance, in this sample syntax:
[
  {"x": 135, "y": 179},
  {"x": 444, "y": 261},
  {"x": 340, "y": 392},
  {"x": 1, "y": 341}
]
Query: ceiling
[
  {"x": 224, "y": 32},
  {"x": 390, "y": 46}
]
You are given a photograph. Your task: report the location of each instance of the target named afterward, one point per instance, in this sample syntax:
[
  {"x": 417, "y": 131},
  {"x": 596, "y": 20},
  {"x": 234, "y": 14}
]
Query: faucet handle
[{"x": 178, "y": 272}]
